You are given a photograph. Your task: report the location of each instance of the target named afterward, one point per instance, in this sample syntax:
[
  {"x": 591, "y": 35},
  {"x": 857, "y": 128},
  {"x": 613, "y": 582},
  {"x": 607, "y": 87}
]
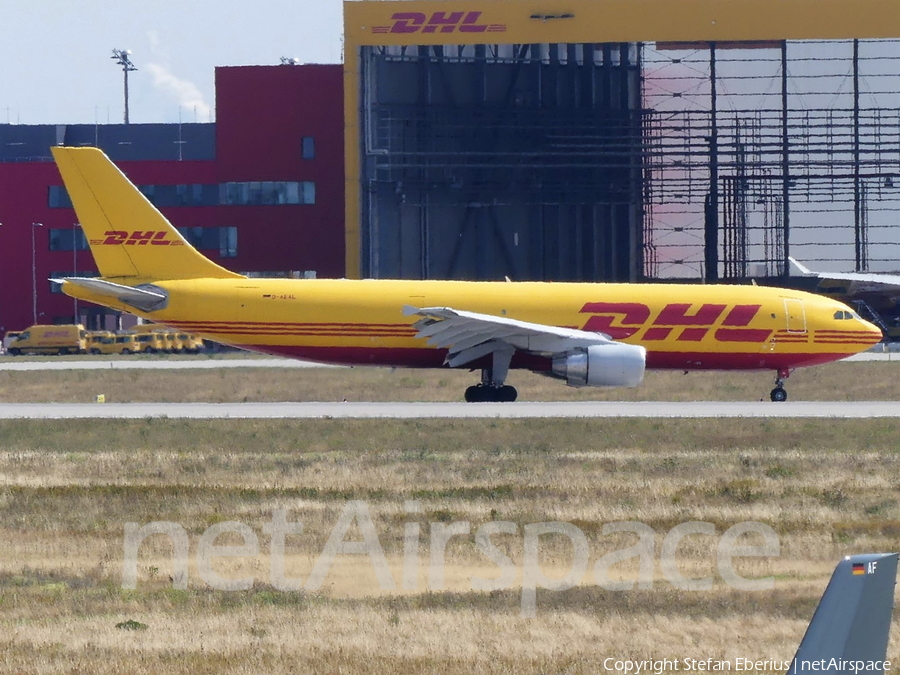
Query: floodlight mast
[{"x": 122, "y": 58}]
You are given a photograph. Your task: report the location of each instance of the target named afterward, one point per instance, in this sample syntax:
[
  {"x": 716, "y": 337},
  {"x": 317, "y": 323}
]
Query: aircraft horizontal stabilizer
[{"x": 145, "y": 297}]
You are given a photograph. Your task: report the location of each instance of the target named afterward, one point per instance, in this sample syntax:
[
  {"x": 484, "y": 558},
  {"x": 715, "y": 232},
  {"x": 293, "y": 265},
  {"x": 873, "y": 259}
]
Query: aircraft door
[{"x": 795, "y": 315}]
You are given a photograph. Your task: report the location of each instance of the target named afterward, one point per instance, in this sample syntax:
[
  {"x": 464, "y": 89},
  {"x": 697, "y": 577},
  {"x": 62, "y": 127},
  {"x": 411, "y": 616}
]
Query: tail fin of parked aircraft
[
  {"x": 131, "y": 241},
  {"x": 851, "y": 624}
]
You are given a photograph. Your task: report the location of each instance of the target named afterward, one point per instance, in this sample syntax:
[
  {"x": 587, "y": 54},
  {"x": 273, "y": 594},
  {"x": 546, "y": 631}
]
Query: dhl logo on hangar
[
  {"x": 621, "y": 320},
  {"x": 439, "y": 22}
]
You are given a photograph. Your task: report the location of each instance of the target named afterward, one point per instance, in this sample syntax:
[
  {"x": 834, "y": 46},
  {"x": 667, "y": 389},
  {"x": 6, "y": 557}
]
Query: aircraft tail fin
[
  {"x": 129, "y": 238},
  {"x": 853, "y": 619},
  {"x": 800, "y": 266}
]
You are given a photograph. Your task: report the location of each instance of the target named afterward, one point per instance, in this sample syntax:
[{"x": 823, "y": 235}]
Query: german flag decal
[{"x": 859, "y": 568}]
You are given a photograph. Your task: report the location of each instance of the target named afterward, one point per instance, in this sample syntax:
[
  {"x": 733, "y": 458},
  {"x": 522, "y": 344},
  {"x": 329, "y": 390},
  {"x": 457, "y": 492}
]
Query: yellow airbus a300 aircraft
[{"x": 588, "y": 334}]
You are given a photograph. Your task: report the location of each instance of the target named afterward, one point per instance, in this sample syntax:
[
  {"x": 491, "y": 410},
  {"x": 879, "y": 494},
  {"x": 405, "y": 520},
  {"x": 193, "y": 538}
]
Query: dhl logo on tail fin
[
  {"x": 136, "y": 238},
  {"x": 130, "y": 239}
]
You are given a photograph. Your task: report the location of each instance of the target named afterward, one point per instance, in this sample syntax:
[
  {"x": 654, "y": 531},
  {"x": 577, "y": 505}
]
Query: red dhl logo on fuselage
[
  {"x": 621, "y": 320},
  {"x": 136, "y": 238},
  {"x": 443, "y": 22}
]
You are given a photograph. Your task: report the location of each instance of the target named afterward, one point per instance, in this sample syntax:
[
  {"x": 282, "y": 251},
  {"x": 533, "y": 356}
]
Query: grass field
[
  {"x": 828, "y": 488},
  {"x": 865, "y": 381}
]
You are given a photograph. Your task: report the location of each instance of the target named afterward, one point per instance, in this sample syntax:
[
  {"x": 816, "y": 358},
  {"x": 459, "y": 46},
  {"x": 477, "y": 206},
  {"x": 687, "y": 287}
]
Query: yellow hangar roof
[{"x": 536, "y": 21}]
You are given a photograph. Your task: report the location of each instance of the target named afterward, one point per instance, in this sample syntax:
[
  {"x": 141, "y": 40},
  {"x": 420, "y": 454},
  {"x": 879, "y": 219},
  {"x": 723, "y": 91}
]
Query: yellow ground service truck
[
  {"x": 41, "y": 339},
  {"x": 189, "y": 344},
  {"x": 169, "y": 341},
  {"x": 95, "y": 339},
  {"x": 149, "y": 343}
]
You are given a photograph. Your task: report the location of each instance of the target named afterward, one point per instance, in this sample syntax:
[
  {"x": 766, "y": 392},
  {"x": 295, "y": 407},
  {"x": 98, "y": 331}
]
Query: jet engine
[{"x": 610, "y": 365}]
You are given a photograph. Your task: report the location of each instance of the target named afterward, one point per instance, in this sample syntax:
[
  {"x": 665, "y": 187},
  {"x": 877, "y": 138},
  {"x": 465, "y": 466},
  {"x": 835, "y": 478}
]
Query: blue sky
[{"x": 56, "y": 54}]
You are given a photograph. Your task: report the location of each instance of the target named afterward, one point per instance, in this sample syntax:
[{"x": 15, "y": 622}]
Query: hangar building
[
  {"x": 261, "y": 191},
  {"x": 620, "y": 139}
]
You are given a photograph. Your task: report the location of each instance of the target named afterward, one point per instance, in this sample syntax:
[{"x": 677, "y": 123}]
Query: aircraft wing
[
  {"x": 470, "y": 335},
  {"x": 865, "y": 278}
]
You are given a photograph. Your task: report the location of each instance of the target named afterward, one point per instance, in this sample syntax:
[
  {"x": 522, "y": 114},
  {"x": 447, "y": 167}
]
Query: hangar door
[{"x": 485, "y": 161}]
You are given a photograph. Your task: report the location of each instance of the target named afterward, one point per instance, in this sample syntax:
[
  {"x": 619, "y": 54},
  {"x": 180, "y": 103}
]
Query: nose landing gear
[{"x": 779, "y": 394}]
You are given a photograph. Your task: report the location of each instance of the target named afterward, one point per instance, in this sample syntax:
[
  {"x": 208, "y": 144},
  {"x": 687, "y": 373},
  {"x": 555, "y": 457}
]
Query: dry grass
[
  {"x": 864, "y": 381},
  {"x": 66, "y": 489}
]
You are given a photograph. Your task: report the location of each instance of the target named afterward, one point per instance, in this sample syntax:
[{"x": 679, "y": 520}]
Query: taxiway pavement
[
  {"x": 348, "y": 410},
  {"x": 141, "y": 363}
]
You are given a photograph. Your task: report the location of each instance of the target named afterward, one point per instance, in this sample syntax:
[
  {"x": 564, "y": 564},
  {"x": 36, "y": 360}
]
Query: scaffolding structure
[{"x": 757, "y": 152}]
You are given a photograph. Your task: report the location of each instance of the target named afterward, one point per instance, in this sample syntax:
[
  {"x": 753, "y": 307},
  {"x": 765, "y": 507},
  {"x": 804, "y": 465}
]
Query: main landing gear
[
  {"x": 491, "y": 393},
  {"x": 778, "y": 394},
  {"x": 492, "y": 389}
]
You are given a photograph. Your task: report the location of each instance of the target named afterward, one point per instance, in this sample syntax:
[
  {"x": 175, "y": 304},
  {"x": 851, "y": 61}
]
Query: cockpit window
[{"x": 842, "y": 315}]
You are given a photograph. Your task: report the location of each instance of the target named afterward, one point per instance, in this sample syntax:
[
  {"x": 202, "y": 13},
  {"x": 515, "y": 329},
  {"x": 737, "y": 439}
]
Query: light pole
[
  {"x": 121, "y": 57},
  {"x": 34, "y": 226}
]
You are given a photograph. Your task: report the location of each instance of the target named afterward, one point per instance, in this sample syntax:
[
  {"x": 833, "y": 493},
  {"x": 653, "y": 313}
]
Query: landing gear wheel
[
  {"x": 778, "y": 395},
  {"x": 507, "y": 394},
  {"x": 475, "y": 394},
  {"x": 487, "y": 393}
]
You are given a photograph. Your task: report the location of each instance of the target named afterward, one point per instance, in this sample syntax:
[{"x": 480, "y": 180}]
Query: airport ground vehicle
[
  {"x": 173, "y": 342},
  {"x": 9, "y": 337},
  {"x": 190, "y": 344},
  {"x": 48, "y": 339},
  {"x": 95, "y": 339},
  {"x": 52, "y": 339},
  {"x": 125, "y": 344},
  {"x": 148, "y": 343},
  {"x": 114, "y": 344}
]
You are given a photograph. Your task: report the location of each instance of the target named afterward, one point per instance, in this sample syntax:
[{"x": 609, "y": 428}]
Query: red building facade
[{"x": 261, "y": 191}]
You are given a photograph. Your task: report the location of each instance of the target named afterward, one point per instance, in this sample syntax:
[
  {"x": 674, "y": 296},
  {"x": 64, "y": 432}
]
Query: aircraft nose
[{"x": 873, "y": 332}]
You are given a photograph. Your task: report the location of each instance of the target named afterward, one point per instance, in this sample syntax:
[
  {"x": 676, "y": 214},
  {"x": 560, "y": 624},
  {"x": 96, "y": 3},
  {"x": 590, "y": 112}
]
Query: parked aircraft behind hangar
[
  {"x": 587, "y": 334},
  {"x": 878, "y": 293}
]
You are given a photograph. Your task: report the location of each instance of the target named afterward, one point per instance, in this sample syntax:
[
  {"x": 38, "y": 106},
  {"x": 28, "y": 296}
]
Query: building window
[
  {"x": 233, "y": 194},
  {"x": 268, "y": 193},
  {"x": 66, "y": 239},
  {"x": 308, "y": 147},
  {"x": 161, "y": 196},
  {"x": 58, "y": 198},
  {"x": 309, "y": 192},
  {"x": 228, "y": 242},
  {"x": 221, "y": 239}
]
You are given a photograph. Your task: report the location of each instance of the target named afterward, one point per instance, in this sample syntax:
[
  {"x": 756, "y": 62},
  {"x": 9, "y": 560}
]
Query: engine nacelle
[{"x": 611, "y": 365}]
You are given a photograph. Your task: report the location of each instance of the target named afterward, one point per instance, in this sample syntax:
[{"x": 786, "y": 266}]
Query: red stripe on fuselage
[{"x": 423, "y": 357}]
